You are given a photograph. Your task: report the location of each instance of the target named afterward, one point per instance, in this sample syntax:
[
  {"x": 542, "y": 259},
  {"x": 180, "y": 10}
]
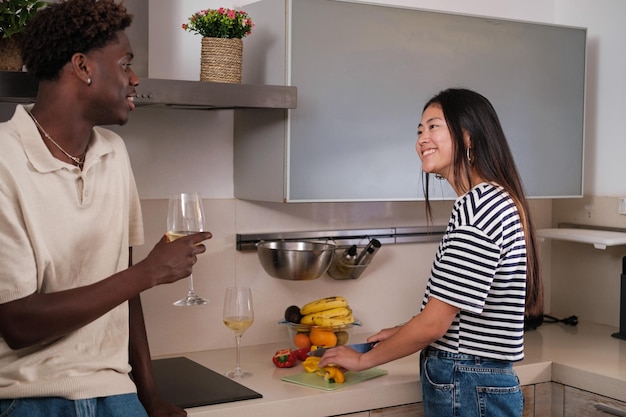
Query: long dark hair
[{"x": 491, "y": 157}]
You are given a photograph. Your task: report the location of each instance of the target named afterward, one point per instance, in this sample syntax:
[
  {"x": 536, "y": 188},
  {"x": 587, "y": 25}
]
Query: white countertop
[{"x": 585, "y": 356}]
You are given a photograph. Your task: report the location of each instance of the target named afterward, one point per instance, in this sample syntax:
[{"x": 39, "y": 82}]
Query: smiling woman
[{"x": 485, "y": 276}]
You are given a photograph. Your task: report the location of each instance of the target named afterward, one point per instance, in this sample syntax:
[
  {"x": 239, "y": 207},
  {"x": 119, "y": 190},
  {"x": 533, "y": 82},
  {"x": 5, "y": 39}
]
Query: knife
[{"x": 359, "y": 347}]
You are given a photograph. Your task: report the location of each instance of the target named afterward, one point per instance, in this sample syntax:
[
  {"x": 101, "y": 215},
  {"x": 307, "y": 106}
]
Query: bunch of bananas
[{"x": 327, "y": 312}]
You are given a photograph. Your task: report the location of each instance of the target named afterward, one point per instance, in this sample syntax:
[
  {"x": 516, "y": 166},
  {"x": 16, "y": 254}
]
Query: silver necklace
[{"x": 78, "y": 160}]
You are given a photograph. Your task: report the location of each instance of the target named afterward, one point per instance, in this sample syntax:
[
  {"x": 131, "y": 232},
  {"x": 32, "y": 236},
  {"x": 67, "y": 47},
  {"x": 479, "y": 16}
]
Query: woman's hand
[{"x": 343, "y": 357}]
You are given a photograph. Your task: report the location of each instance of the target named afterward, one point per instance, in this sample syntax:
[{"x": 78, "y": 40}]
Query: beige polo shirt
[{"x": 63, "y": 228}]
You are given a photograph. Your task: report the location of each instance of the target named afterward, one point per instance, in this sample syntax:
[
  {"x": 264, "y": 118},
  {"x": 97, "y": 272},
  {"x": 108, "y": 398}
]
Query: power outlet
[{"x": 622, "y": 206}]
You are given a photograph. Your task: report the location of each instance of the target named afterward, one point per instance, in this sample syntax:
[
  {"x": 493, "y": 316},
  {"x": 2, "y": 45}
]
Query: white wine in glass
[
  {"x": 238, "y": 315},
  {"x": 185, "y": 216}
]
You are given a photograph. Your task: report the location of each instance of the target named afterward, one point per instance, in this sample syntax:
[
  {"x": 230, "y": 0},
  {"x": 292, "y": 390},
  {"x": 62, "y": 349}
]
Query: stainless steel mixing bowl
[{"x": 296, "y": 261}]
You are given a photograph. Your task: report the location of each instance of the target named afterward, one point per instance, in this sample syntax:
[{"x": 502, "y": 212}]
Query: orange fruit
[
  {"x": 302, "y": 341},
  {"x": 322, "y": 337}
]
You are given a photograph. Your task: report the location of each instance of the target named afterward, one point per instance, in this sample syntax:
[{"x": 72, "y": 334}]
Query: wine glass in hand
[
  {"x": 238, "y": 316},
  {"x": 185, "y": 216}
]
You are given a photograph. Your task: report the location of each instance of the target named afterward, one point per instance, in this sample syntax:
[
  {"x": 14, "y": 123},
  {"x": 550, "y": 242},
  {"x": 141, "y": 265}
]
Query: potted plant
[
  {"x": 14, "y": 16},
  {"x": 222, "y": 31}
]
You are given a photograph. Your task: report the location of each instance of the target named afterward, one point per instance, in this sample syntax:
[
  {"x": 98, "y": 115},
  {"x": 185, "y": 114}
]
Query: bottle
[
  {"x": 342, "y": 268},
  {"x": 347, "y": 260},
  {"x": 349, "y": 256},
  {"x": 365, "y": 257}
]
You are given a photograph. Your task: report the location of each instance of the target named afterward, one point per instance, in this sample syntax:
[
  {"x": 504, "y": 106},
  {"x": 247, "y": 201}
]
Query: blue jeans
[
  {"x": 126, "y": 405},
  {"x": 457, "y": 385}
]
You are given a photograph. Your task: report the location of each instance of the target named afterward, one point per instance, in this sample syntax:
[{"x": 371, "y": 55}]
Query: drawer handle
[{"x": 610, "y": 410}]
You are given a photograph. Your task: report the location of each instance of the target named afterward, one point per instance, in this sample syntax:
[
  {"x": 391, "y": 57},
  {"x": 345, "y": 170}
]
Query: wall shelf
[{"x": 599, "y": 236}]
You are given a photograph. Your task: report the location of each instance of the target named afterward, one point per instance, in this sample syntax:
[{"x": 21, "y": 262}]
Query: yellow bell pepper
[
  {"x": 330, "y": 373},
  {"x": 333, "y": 374},
  {"x": 311, "y": 364}
]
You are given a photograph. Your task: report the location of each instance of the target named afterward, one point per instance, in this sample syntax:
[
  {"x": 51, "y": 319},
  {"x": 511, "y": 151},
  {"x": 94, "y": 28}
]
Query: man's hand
[
  {"x": 171, "y": 261},
  {"x": 160, "y": 408}
]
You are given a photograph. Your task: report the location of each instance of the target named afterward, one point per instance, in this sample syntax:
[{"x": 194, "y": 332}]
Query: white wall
[
  {"x": 606, "y": 87},
  {"x": 173, "y": 150}
]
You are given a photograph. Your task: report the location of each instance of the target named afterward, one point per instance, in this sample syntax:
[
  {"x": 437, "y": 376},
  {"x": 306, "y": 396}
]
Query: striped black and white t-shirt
[{"x": 480, "y": 267}]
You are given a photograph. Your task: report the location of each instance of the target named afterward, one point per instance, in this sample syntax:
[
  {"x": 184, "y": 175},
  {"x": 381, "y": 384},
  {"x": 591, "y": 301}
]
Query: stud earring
[{"x": 89, "y": 81}]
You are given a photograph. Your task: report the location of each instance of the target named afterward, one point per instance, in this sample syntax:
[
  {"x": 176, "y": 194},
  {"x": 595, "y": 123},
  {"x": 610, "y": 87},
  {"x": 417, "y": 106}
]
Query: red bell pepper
[
  {"x": 302, "y": 354},
  {"x": 285, "y": 358}
]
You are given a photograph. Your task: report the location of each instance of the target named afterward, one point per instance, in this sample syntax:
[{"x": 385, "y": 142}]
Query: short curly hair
[{"x": 61, "y": 29}]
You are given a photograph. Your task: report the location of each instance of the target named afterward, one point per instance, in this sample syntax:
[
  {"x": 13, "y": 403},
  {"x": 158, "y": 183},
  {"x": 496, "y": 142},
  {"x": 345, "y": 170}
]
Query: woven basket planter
[
  {"x": 10, "y": 55},
  {"x": 220, "y": 60}
]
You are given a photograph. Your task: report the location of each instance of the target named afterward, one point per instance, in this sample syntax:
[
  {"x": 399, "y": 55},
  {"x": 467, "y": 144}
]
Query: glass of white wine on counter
[
  {"x": 238, "y": 315},
  {"x": 185, "y": 216}
]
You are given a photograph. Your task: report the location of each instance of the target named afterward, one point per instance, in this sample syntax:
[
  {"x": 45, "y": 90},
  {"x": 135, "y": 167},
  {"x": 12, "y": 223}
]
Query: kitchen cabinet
[
  {"x": 529, "y": 400},
  {"x": 543, "y": 400},
  {"x": 408, "y": 410},
  {"x": 547, "y": 399},
  {"x": 557, "y": 400},
  {"x": 363, "y": 77},
  {"x": 531, "y": 408},
  {"x": 583, "y": 403}
]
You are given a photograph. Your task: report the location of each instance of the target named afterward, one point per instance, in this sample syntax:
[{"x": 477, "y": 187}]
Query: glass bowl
[{"x": 342, "y": 332}]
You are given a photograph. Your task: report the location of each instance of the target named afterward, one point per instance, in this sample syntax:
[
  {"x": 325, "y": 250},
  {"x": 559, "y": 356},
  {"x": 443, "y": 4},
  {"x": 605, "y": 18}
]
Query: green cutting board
[{"x": 316, "y": 381}]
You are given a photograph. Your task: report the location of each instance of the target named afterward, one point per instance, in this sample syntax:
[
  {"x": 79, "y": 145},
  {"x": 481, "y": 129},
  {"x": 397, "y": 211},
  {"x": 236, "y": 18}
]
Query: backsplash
[
  {"x": 578, "y": 279},
  {"x": 389, "y": 291}
]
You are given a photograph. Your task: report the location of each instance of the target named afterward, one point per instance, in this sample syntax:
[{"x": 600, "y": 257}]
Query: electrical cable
[{"x": 570, "y": 321}]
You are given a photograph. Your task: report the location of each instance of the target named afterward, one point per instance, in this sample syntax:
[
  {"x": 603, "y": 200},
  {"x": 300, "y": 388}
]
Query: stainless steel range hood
[
  {"x": 196, "y": 94},
  {"x": 20, "y": 87}
]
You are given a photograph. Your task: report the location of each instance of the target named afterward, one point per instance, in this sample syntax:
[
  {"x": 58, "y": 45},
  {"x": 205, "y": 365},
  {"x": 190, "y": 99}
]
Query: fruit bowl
[{"x": 341, "y": 333}]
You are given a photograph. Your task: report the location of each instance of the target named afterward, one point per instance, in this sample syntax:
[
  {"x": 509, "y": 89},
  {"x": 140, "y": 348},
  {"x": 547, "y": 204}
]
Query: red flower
[{"x": 219, "y": 23}]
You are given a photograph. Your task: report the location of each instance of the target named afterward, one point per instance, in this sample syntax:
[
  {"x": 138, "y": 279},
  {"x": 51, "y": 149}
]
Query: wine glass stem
[
  {"x": 238, "y": 341},
  {"x": 191, "y": 291}
]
